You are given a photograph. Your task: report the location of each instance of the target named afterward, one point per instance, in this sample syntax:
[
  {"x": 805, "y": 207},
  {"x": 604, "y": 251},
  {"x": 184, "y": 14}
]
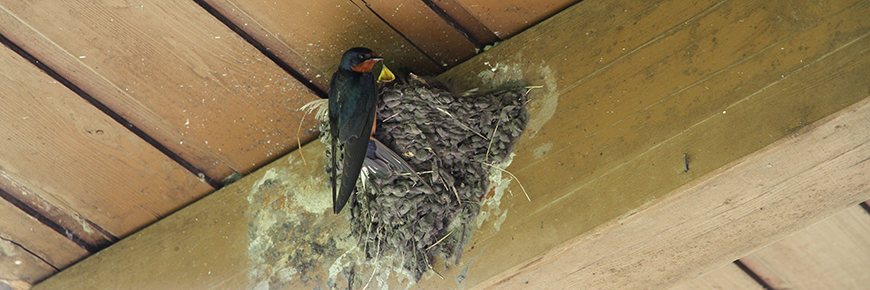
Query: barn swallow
[{"x": 353, "y": 100}]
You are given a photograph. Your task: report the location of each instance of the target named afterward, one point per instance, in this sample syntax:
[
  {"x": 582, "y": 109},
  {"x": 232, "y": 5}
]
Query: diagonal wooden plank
[
  {"x": 43, "y": 242},
  {"x": 727, "y": 277},
  {"x": 19, "y": 268},
  {"x": 61, "y": 154},
  {"x": 507, "y": 18},
  {"x": 428, "y": 31},
  {"x": 173, "y": 70},
  {"x": 311, "y": 35},
  {"x": 831, "y": 254}
]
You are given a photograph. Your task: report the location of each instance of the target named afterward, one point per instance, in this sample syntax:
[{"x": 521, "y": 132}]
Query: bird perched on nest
[{"x": 353, "y": 100}]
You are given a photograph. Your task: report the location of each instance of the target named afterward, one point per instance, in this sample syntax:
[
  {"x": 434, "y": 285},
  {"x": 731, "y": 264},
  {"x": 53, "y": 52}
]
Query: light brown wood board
[
  {"x": 30, "y": 255},
  {"x": 426, "y": 30},
  {"x": 38, "y": 239},
  {"x": 831, "y": 254},
  {"x": 729, "y": 276},
  {"x": 311, "y": 35},
  {"x": 18, "y": 268},
  {"x": 174, "y": 71},
  {"x": 507, "y": 18},
  {"x": 62, "y": 155}
]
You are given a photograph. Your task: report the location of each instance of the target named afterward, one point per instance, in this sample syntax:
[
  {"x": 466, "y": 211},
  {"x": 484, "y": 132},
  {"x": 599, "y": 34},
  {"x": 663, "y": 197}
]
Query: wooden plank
[
  {"x": 311, "y": 35},
  {"x": 18, "y": 268},
  {"x": 63, "y": 154},
  {"x": 43, "y": 242},
  {"x": 766, "y": 275},
  {"x": 746, "y": 205},
  {"x": 171, "y": 69},
  {"x": 831, "y": 254},
  {"x": 426, "y": 30},
  {"x": 729, "y": 276},
  {"x": 165, "y": 255},
  {"x": 467, "y": 21},
  {"x": 606, "y": 138},
  {"x": 507, "y": 18}
]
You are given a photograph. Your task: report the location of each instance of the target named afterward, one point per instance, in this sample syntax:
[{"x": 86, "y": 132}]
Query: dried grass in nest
[{"x": 451, "y": 141}]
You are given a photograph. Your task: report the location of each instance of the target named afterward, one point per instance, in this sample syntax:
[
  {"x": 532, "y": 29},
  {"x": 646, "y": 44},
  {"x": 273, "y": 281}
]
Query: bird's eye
[{"x": 361, "y": 56}]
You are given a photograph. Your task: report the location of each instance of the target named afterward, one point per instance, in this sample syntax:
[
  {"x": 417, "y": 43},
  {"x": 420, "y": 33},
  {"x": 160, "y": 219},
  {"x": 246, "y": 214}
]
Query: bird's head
[{"x": 359, "y": 59}]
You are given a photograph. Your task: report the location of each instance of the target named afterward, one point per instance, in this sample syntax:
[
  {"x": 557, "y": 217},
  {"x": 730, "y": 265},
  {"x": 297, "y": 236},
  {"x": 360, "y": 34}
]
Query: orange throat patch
[{"x": 366, "y": 66}]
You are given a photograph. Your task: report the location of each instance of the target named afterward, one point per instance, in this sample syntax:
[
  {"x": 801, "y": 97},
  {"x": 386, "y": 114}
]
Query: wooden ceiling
[{"x": 118, "y": 113}]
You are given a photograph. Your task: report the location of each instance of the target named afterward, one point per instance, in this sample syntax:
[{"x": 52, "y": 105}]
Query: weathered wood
[
  {"x": 426, "y": 30},
  {"x": 729, "y": 276},
  {"x": 311, "y": 35},
  {"x": 43, "y": 242},
  {"x": 832, "y": 254},
  {"x": 606, "y": 138},
  {"x": 173, "y": 70},
  {"x": 469, "y": 23},
  {"x": 223, "y": 254},
  {"x": 506, "y": 18},
  {"x": 743, "y": 206},
  {"x": 31, "y": 254},
  {"x": 18, "y": 268},
  {"x": 63, "y": 155},
  {"x": 729, "y": 213},
  {"x": 763, "y": 272}
]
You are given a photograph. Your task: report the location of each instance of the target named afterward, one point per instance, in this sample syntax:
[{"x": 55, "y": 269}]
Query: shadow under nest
[{"x": 453, "y": 143}]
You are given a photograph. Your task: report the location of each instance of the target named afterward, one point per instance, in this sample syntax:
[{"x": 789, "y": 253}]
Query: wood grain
[
  {"x": 469, "y": 23},
  {"x": 743, "y": 206},
  {"x": 765, "y": 274},
  {"x": 43, "y": 242},
  {"x": 311, "y": 35},
  {"x": 428, "y": 31},
  {"x": 614, "y": 139},
  {"x": 220, "y": 256},
  {"x": 729, "y": 213},
  {"x": 507, "y": 18},
  {"x": 603, "y": 156},
  {"x": 171, "y": 69},
  {"x": 60, "y": 148},
  {"x": 727, "y": 277},
  {"x": 18, "y": 268},
  {"x": 832, "y": 254}
]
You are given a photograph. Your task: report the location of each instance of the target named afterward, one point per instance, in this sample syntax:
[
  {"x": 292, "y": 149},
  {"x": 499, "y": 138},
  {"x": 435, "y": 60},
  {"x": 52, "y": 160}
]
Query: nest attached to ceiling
[{"x": 453, "y": 143}]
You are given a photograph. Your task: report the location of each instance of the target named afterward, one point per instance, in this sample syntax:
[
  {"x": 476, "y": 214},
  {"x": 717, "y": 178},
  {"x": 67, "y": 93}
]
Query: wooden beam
[
  {"x": 629, "y": 89},
  {"x": 725, "y": 215}
]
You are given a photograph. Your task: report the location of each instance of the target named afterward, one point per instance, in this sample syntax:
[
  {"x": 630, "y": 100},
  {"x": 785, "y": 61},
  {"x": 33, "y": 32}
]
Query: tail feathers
[{"x": 354, "y": 154}]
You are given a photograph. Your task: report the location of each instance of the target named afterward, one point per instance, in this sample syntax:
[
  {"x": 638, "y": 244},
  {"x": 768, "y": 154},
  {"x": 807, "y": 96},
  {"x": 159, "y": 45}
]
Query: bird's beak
[{"x": 386, "y": 75}]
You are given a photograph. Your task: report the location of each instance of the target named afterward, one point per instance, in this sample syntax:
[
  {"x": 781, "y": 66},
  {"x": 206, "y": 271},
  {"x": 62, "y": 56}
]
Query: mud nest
[{"x": 453, "y": 143}]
